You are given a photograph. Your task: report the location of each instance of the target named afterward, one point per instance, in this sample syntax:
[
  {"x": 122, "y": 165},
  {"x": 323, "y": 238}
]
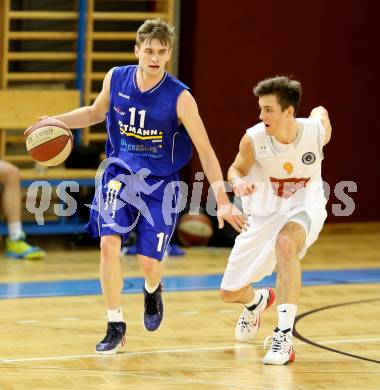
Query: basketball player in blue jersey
[
  {"x": 151, "y": 119},
  {"x": 277, "y": 172}
]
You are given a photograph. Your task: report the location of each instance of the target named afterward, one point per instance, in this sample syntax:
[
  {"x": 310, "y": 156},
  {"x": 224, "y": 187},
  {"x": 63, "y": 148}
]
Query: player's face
[
  {"x": 153, "y": 56},
  {"x": 271, "y": 114}
]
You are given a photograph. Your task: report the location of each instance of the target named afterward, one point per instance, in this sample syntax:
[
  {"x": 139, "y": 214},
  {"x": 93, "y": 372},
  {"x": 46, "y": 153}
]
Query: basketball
[
  {"x": 49, "y": 142},
  {"x": 194, "y": 230}
]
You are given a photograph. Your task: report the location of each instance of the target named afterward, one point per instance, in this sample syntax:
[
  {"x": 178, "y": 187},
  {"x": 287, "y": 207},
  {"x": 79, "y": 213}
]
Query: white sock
[
  {"x": 151, "y": 289},
  {"x": 14, "y": 230},
  {"x": 115, "y": 315},
  {"x": 286, "y": 315},
  {"x": 256, "y": 299}
]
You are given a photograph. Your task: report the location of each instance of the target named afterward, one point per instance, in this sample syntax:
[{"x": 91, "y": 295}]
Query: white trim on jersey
[
  {"x": 160, "y": 83},
  {"x": 174, "y": 135}
]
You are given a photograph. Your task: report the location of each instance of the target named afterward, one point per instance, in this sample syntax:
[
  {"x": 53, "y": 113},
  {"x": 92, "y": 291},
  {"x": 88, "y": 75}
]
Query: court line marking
[
  {"x": 319, "y": 344},
  {"x": 184, "y": 313},
  {"x": 138, "y": 353},
  {"x": 123, "y": 373},
  {"x": 80, "y": 287},
  {"x": 373, "y": 340},
  {"x": 179, "y": 350}
]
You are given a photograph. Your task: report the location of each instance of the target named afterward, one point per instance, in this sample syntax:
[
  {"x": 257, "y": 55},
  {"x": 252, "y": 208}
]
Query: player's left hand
[{"x": 231, "y": 214}]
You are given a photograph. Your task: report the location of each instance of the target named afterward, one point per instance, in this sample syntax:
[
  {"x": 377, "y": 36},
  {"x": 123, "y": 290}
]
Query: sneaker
[
  {"x": 281, "y": 351},
  {"x": 249, "y": 321},
  {"x": 129, "y": 250},
  {"x": 20, "y": 249},
  {"x": 175, "y": 250},
  {"x": 154, "y": 309},
  {"x": 113, "y": 340}
]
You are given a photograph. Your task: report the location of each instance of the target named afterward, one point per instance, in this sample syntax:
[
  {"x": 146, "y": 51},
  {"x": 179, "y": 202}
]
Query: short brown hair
[
  {"x": 155, "y": 29},
  {"x": 288, "y": 91}
]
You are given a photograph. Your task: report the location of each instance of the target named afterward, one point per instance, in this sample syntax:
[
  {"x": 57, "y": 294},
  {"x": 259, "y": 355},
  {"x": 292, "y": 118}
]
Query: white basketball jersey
[{"x": 286, "y": 179}]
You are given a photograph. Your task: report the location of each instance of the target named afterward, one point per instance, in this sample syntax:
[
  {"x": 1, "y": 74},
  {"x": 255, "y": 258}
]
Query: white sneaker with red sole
[
  {"x": 249, "y": 320},
  {"x": 281, "y": 351}
]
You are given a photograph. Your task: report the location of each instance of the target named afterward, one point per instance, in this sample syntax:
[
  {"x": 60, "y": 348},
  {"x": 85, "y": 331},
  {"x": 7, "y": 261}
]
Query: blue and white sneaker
[
  {"x": 113, "y": 340},
  {"x": 153, "y": 309}
]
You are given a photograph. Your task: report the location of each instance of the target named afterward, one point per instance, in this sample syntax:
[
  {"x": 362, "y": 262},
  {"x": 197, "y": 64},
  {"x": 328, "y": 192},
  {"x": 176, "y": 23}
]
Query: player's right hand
[{"x": 242, "y": 187}]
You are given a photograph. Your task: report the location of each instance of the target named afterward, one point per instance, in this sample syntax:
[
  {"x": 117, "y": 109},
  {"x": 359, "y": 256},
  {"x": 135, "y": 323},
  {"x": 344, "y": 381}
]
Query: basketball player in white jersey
[{"x": 277, "y": 172}]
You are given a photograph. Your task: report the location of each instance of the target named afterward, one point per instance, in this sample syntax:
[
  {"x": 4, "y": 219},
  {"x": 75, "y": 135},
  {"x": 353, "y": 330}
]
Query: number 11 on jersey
[
  {"x": 142, "y": 113},
  {"x": 162, "y": 237}
]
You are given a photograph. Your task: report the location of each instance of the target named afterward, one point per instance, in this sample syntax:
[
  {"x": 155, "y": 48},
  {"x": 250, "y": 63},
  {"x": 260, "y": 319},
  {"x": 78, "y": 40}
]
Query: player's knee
[
  {"x": 14, "y": 172},
  {"x": 229, "y": 296},
  {"x": 10, "y": 173},
  {"x": 286, "y": 247},
  {"x": 149, "y": 267},
  {"x": 110, "y": 248},
  {"x": 146, "y": 268}
]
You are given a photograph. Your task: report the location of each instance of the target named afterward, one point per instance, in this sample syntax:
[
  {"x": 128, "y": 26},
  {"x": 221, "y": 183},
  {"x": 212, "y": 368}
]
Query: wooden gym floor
[{"x": 52, "y": 316}]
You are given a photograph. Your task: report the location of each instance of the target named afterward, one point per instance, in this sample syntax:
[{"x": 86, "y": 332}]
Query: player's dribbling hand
[
  {"x": 242, "y": 187},
  {"x": 40, "y": 118}
]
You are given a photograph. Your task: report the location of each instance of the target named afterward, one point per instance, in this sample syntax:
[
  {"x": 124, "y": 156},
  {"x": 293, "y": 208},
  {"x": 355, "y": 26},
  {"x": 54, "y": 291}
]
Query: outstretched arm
[
  {"x": 240, "y": 168},
  {"x": 321, "y": 113},
  {"x": 188, "y": 114},
  {"x": 89, "y": 115}
]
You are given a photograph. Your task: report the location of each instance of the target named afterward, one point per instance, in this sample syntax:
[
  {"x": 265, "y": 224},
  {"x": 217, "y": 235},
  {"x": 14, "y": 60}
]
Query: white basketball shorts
[{"x": 253, "y": 256}]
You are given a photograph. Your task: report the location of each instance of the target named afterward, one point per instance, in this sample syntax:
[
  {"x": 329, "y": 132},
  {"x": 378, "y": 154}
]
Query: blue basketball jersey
[{"x": 143, "y": 128}]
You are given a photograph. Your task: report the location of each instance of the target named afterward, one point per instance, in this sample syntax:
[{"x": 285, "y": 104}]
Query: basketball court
[
  {"x": 53, "y": 58},
  {"x": 52, "y": 316}
]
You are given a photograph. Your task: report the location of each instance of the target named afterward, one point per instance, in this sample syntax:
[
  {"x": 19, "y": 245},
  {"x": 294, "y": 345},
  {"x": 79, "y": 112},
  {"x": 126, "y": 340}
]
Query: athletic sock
[
  {"x": 151, "y": 289},
  {"x": 286, "y": 315},
  {"x": 115, "y": 315},
  {"x": 14, "y": 230},
  {"x": 255, "y": 301}
]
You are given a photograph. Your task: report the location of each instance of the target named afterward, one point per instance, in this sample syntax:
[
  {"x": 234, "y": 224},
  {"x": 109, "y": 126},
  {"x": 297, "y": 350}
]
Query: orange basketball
[
  {"x": 194, "y": 230},
  {"x": 49, "y": 142}
]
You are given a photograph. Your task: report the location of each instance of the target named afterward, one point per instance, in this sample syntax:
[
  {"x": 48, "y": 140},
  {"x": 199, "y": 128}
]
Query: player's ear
[
  {"x": 136, "y": 51},
  {"x": 168, "y": 55},
  {"x": 290, "y": 111}
]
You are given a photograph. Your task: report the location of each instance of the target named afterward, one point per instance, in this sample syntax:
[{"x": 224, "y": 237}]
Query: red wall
[{"x": 331, "y": 46}]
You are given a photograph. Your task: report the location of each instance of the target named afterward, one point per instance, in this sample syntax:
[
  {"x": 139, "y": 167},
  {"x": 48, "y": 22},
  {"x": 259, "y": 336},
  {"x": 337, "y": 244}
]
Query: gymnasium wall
[{"x": 331, "y": 46}]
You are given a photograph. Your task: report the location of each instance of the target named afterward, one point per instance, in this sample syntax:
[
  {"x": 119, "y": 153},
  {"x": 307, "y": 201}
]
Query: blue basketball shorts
[{"x": 149, "y": 205}]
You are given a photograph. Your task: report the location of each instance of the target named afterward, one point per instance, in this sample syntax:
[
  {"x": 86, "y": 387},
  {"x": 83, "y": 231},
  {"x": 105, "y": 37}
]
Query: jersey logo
[
  {"x": 288, "y": 167},
  {"x": 140, "y": 133},
  {"x": 308, "y": 158},
  {"x": 285, "y": 188},
  {"x": 262, "y": 150},
  {"x": 113, "y": 188},
  {"x": 124, "y": 96},
  {"x": 118, "y": 110}
]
